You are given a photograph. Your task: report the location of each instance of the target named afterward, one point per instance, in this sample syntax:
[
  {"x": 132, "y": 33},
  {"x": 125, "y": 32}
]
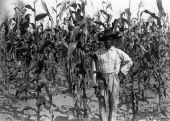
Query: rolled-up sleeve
[{"x": 127, "y": 62}]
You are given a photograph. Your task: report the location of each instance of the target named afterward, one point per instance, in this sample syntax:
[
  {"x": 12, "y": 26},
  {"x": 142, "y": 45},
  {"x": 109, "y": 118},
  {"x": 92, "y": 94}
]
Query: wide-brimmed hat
[{"x": 109, "y": 33}]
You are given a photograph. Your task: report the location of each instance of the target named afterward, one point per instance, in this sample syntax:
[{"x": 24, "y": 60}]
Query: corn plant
[{"x": 25, "y": 56}]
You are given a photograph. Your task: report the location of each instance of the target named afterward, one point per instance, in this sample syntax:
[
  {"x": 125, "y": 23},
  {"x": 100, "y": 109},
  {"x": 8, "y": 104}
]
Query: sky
[{"x": 118, "y": 6}]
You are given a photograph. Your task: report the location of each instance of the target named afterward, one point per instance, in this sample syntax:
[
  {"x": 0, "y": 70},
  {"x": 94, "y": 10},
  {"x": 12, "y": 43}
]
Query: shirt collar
[
  {"x": 112, "y": 48},
  {"x": 105, "y": 50}
]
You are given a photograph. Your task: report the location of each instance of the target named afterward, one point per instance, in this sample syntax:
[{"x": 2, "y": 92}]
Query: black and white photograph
[{"x": 84, "y": 60}]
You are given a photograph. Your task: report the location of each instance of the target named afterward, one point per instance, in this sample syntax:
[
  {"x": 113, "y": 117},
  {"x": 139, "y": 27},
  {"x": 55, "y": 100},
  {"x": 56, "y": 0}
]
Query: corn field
[{"x": 37, "y": 59}]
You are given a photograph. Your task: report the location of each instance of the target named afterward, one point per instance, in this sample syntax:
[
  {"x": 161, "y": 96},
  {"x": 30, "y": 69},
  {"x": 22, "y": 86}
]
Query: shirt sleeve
[{"x": 127, "y": 62}]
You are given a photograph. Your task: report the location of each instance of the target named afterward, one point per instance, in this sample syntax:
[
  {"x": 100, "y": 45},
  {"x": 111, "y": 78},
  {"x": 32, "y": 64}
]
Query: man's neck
[{"x": 110, "y": 48}]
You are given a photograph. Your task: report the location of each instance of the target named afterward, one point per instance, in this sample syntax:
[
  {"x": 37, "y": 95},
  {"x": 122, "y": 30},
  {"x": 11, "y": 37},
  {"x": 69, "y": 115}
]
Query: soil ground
[{"x": 63, "y": 108}]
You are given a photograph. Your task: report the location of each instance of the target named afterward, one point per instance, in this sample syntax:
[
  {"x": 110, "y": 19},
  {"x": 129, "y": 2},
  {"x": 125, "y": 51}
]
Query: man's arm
[{"x": 127, "y": 62}]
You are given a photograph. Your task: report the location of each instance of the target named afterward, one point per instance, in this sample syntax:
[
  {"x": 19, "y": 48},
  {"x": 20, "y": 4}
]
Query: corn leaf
[
  {"x": 116, "y": 23},
  {"x": 141, "y": 4},
  {"x": 64, "y": 7},
  {"x": 127, "y": 11},
  {"x": 160, "y": 7},
  {"x": 74, "y": 5},
  {"x": 109, "y": 18},
  {"x": 30, "y": 7},
  {"x": 33, "y": 25},
  {"x": 44, "y": 5},
  {"x": 78, "y": 16},
  {"x": 83, "y": 4},
  {"x": 109, "y": 6},
  {"x": 71, "y": 47},
  {"x": 74, "y": 33},
  {"x": 40, "y": 16},
  {"x": 100, "y": 23},
  {"x": 104, "y": 12},
  {"x": 65, "y": 44},
  {"x": 143, "y": 48},
  {"x": 59, "y": 4},
  {"x": 154, "y": 16},
  {"x": 54, "y": 9}
]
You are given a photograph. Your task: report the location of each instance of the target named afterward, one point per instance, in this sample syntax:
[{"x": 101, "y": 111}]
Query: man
[{"x": 108, "y": 63}]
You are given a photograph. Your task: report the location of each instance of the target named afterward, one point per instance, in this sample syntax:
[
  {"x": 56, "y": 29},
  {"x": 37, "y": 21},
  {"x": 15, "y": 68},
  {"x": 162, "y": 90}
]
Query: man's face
[{"x": 108, "y": 42}]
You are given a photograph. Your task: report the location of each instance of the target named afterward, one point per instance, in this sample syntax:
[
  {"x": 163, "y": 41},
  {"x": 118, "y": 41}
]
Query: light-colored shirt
[{"x": 109, "y": 61}]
